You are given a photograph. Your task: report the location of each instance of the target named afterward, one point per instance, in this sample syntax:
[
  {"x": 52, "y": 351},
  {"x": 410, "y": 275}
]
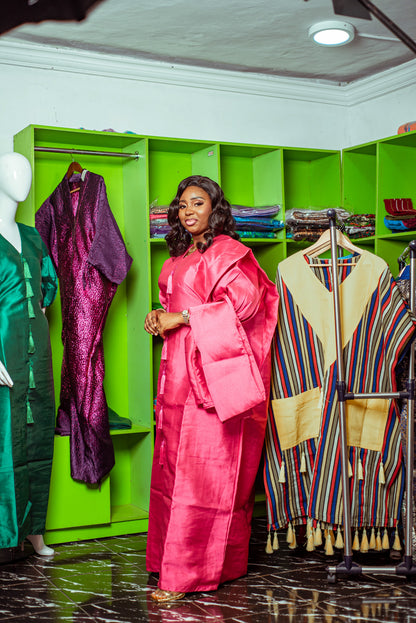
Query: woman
[{"x": 218, "y": 317}]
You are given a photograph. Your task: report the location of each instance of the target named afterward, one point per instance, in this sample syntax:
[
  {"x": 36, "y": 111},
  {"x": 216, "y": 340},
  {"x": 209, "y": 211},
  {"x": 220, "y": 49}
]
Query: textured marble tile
[
  {"x": 104, "y": 581},
  {"x": 105, "y": 576},
  {"x": 126, "y": 610},
  {"x": 126, "y": 544},
  {"x": 385, "y": 605},
  {"x": 53, "y": 616},
  {"x": 18, "y": 572},
  {"x": 33, "y": 600}
]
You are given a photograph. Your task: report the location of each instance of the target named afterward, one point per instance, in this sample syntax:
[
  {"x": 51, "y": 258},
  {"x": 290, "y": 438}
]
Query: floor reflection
[{"x": 105, "y": 581}]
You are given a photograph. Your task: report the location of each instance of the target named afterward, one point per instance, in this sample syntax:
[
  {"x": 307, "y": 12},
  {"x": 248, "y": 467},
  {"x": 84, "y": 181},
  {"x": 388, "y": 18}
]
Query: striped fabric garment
[{"x": 302, "y": 469}]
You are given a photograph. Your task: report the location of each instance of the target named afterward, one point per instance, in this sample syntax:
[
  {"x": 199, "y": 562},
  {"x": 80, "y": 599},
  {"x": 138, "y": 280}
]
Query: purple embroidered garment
[{"x": 91, "y": 259}]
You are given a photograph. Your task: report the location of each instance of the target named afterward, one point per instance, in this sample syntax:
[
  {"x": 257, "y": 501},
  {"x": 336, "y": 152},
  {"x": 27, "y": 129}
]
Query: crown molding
[
  {"x": 52, "y": 58},
  {"x": 382, "y": 84}
]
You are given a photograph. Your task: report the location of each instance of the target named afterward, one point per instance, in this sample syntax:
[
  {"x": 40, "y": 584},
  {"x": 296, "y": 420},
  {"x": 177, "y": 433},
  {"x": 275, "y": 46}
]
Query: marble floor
[{"x": 105, "y": 581}]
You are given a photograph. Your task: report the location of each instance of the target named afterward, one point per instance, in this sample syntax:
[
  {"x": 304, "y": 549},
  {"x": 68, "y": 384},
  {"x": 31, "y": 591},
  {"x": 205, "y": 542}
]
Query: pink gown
[{"x": 211, "y": 416}]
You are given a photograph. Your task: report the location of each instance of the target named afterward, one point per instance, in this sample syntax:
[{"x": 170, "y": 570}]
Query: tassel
[
  {"x": 31, "y": 343},
  {"x": 379, "y": 546},
  {"x": 309, "y": 536},
  {"x": 356, "y": 542},
  {"x": 282, "y": 475},
  {"x": 30, "y": 309},
  {"x": 332, "y": 535},
  {"x": 372, "y": 543},
  {"x": 32, "y": 383},
  {"x": 360, "y": 470},
  {"x": 364, "y": 542},
  {"x": 396, "y": 544},
  {"x": 339, "y": 543},
  {"x": 275, "y": 542},
  {"x": 29, "y": 291},
  {"x": 329, "y": 550},
  {"x": 293, "y": 544},
  {"x": 26, "y": 270},
  {"x": 382, "y": 477},
  {"x": 303, "y": 463},
  {"x": 269, "y": 548},
  {"x": 318, "y": 536},
  {"x": 349, "y": 470},
  {"x": 385, "y": 542},
  {"x": 365, "y": 609},
  {"x": 289, "y": 535},
  {"x": 310, "y": 545},
  {"x": 29, "y": 416}
]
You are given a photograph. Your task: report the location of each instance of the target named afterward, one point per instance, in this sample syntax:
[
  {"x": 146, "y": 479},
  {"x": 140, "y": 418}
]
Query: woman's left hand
[{"x": 169, "y": 321}]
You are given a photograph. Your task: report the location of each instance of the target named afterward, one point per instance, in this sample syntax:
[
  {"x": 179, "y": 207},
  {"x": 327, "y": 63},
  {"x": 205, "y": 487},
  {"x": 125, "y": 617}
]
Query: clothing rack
[
  {"x": 348, "y": 567},
  {"x": 89, "y": 152}
]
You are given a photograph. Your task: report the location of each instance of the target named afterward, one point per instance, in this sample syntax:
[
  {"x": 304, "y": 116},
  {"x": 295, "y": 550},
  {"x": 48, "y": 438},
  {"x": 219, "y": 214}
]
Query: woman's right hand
[
  {"x": 151, "y": 322},
  {"x": 4, "y": 376}
]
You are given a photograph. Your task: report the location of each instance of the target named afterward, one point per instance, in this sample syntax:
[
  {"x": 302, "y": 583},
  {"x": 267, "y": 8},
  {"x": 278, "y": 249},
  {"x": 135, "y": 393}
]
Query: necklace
[{"x": 191, "y": 249}]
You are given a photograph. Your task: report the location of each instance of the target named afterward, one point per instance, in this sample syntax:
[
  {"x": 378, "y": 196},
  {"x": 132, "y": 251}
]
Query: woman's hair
[{"x": 220, "y": 220}]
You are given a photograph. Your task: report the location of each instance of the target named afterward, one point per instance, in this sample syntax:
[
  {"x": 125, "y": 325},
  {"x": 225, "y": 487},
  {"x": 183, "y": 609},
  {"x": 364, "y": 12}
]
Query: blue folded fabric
[{"x": 394, "y": 225}]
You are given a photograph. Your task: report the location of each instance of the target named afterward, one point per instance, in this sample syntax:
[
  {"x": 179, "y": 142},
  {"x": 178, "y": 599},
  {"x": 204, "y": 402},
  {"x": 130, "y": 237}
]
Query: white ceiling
[{"x": 263, "y": 36}]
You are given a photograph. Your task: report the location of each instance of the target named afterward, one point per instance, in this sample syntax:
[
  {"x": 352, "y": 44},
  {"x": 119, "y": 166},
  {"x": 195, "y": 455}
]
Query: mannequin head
[{"x": 15, "y": 178}]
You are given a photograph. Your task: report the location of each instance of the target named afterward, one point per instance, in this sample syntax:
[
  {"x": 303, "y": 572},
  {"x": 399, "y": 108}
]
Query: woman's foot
[
  {"x": 162, "y": 596},
  {"x": 39, "y": 545}
]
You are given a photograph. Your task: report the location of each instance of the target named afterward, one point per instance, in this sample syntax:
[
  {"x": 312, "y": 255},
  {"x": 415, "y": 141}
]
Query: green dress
[{"x": 28, "y": 282}]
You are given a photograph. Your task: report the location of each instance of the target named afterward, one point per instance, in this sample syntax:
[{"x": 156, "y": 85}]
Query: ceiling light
[{"x": 332, "y": 33}]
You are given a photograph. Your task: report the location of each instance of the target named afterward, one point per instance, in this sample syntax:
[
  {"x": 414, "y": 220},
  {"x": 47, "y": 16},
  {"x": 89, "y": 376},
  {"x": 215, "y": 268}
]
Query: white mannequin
[{"x": 15, "y": 182}]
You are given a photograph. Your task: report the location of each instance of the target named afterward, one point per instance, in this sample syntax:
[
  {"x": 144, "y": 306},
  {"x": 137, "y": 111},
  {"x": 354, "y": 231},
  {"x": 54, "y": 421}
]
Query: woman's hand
[
  {"x": 169, "y": 321},
  {"x": 157, "y": 322},
  {"x": 151, "y": 322},
  {"x": 4, "y": 376}
]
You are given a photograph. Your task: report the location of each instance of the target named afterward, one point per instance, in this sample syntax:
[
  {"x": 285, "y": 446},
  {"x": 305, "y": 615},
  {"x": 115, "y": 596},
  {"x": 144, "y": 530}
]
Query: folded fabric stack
[
  {"x": 307, "y": 224},
  {"x": 360, "y": 225},
  {"x": 257, "y": 222},
  {"x": 401, "y": 216},
  {"x": 159, "y": 221}
]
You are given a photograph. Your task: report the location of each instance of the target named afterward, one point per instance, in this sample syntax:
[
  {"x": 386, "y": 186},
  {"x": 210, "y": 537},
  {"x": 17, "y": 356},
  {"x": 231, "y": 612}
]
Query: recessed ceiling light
[{"x": 332, "y": 33}]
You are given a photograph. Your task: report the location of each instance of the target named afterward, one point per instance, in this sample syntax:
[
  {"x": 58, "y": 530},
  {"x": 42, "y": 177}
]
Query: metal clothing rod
[
  {"x": 348, "y": 567},
  {"x": 88, "y": 152},
  {"x": 351, "y": 396},
  {"x": 342, "y": 407},
  {"x": 410, "y": 448}
]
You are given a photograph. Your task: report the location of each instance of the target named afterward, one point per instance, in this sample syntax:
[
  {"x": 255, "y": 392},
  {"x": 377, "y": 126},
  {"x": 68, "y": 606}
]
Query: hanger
[
  {"x": 74, "y": 167},
  {"x": 403, "y": 258},
  {"x": 324, "y": 244}
]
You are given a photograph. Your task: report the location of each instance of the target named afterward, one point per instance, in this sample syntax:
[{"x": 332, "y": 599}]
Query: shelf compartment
[
  {"x": 312, "y": 179},
  {"x": 170, "y": 161}
]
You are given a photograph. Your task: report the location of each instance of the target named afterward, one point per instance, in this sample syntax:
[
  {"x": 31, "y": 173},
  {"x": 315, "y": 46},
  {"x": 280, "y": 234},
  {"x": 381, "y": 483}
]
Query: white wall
[
  {"x": 217, "y": 108},
  {"x": 382, "y": 105},
  {"x": 51, "y": 86}
]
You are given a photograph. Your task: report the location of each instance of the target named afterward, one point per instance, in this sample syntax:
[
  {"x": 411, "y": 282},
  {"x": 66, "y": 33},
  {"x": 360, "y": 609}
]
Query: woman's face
[{"x": 194, "y": 210}]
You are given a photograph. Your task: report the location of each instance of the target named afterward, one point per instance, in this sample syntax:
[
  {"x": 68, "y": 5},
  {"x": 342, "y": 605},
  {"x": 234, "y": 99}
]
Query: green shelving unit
[
  {"x": 375, "y": 171},
  {"x": 254, "y": 175}
]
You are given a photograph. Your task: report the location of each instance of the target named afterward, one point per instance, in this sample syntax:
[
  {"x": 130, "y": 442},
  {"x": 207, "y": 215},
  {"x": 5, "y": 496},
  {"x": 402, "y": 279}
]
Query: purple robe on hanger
[{"x": 90, "y": 258}]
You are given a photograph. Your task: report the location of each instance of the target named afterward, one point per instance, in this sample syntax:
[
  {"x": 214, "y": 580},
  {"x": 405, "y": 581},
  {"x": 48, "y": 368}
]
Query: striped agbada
[{"x": 302, "y": 470}]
